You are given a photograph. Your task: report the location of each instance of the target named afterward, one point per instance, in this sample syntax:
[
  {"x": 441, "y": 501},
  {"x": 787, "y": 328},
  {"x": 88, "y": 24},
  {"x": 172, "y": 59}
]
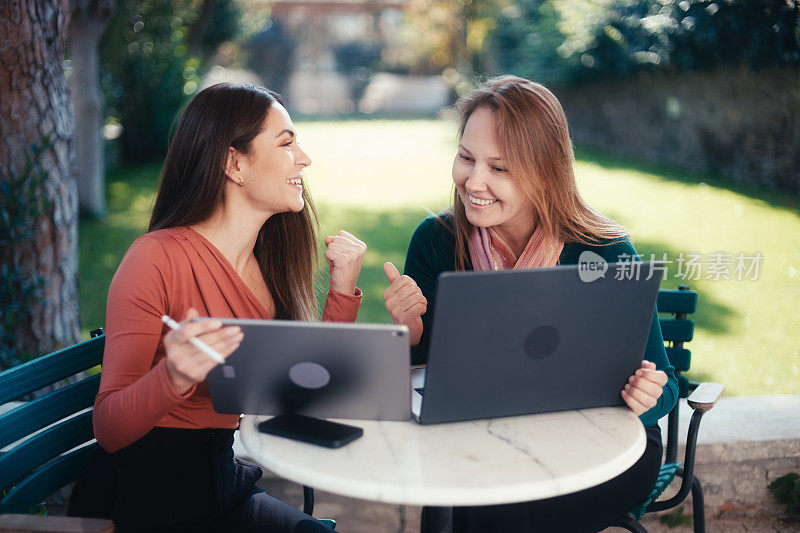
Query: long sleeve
[
  {"x": 655, "y": 353},
  {"x": 134, "y": 393},
  {"x": 168, "y": 272},
  {"x": 341, "y": 307}
]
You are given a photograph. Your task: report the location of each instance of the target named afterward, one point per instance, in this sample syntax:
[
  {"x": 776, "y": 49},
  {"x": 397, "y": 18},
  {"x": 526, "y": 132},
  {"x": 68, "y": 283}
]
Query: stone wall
[
  {"x": 739, "y": 124},
  {"x": 735, "y": 476}
]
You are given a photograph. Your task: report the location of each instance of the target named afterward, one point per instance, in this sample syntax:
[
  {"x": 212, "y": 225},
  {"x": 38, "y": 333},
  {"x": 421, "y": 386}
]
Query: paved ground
[{"x": 359, "y": 516}]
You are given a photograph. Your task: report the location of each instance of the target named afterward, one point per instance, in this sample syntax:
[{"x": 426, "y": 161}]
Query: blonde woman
[{"x": 516, "y": 205}]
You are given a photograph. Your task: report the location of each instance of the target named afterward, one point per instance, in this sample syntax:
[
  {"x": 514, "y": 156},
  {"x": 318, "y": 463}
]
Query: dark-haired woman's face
[{"x": 272, "y": 172}]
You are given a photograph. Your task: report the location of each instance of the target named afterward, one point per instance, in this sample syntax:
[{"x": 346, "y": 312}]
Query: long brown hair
[
  {"x": 532, "y": 131},
  {"x": 192, "y": 186}
]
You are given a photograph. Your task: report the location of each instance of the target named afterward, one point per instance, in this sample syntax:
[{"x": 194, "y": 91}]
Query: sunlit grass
[
  {"x": 746, "y": 335},
  {"x": 378, "y": 179}
]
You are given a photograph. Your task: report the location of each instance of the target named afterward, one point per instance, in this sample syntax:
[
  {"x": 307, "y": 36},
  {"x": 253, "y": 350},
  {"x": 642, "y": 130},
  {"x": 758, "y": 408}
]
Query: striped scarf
[{"x": 489, "y": 252}]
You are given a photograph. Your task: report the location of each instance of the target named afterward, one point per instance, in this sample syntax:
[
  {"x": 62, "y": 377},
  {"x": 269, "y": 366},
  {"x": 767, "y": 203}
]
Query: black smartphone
[{"x": 311, "y": 430}]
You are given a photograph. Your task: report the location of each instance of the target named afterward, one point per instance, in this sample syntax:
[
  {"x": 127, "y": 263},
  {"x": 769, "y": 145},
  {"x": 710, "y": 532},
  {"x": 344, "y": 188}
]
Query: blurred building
[{"x": 326, "y": 58}]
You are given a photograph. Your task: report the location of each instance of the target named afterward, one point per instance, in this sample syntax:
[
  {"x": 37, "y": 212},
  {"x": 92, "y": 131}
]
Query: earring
[{"x": 241, "y": 182}]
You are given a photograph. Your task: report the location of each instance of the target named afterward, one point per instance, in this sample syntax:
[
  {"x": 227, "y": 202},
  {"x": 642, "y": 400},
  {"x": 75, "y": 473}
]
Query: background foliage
[
  {"x": 149, "y": 70},
  {"x": 559, "y": 41},
  {"x": 786, "y": 490}
]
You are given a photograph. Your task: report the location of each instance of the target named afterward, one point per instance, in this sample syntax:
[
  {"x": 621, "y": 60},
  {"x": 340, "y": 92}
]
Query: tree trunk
[
  {"x": 34, "y": 101},
  {"x": 87, "y": 25},
  {"x": 194, "y": 38}
]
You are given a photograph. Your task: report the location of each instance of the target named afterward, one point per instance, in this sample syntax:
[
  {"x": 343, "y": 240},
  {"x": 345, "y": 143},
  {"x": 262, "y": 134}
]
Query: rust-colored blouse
[{"x": 167, "y": 272}]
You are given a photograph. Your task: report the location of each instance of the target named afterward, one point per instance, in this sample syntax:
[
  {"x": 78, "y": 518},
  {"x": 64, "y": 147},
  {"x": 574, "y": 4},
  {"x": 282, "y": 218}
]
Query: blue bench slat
[
  {"x": 676, "y": 301},
  {"x": 677, "y": 330},
  {"x": 665, "y": 476},
  {"x": 41, "y": 412},
  {"x": 683, "y": 386},
  {"x": 680, "y": 358},
  {"x": 43, "y": 447},
  {"x": 46, "y": 480},
  {"x": 48, "y": 369}
]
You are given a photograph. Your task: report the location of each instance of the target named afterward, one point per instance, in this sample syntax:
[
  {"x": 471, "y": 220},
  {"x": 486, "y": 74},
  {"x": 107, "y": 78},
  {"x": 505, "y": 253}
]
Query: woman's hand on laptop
[
  {"x": 405, "y": 302},
  {"x": 344, "y": 255},
  {"x": 644, "y": 387},
  {"x": 186, "y": 364}
]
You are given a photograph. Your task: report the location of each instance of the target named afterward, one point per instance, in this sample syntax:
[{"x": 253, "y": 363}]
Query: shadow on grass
[
  {"x": 607, "y": 161},
  {"x": 711, "y": 315}
]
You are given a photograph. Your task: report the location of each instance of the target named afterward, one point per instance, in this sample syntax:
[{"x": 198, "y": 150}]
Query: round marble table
[{"x": 482, "y": 462}]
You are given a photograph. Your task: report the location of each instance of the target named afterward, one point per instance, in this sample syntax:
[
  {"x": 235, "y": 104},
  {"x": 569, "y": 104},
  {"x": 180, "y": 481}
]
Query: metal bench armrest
[
  {"x": 705, "y": 396},
  {"x": 702, "y": 399},
  {"x": 687, "y": 471}
]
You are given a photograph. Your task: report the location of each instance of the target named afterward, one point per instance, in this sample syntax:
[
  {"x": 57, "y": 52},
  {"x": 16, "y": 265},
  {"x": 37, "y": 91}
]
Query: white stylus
[{"x": 197, "y": 343}]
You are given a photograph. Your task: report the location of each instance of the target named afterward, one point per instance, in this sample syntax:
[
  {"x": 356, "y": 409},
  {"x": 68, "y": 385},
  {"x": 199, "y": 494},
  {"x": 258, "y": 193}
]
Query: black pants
[
  {"x": 588, "y": 510},
  {"x": 182, "y": 480}
]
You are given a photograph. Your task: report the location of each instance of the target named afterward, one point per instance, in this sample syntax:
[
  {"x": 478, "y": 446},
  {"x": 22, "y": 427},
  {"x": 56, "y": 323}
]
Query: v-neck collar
[{"x": 232, "y": 271}]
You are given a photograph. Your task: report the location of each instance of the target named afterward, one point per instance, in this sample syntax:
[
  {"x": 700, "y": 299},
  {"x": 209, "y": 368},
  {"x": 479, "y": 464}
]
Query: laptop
[
  {"x": 519, "y": 342},
  {"x": 317, "y": 369}
]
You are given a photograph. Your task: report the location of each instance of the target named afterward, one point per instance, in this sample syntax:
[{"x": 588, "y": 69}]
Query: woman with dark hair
[
  {"x": 516, "y": 205},
  {"x": 232, "y": 234}
]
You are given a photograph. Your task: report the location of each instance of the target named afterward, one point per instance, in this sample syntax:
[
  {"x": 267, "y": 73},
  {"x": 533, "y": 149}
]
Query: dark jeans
[
  {"x": 182, "y": 480},
  {"x": 588, "y": 510}
]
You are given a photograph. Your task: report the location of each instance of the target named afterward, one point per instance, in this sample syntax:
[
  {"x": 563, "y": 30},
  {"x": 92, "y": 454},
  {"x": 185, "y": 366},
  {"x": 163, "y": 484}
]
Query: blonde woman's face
[{"x": 490, "y": 195}]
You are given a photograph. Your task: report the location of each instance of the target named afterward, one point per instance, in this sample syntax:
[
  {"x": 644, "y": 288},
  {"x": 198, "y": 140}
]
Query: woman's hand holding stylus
[
  {"x": 405, "y": 302},
  {"x": 644, "y": 387},
  {"x": 186, "y": 364}
]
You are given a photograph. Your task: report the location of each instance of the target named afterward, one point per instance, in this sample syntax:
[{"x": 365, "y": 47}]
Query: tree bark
[
  {"x": 87, "y": 25},
  {"x": 34, "y": 101}
]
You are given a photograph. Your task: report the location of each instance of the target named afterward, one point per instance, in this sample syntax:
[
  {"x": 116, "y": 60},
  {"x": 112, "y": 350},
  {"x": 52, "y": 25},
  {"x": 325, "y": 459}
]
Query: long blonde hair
[{"x": 533, "y": 133}]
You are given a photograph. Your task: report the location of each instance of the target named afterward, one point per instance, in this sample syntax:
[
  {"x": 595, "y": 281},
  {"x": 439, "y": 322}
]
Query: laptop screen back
[{"x": 529, "y": 341}]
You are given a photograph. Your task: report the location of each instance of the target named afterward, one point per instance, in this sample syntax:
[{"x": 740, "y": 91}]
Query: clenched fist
[{"x": 344, "y": 255}]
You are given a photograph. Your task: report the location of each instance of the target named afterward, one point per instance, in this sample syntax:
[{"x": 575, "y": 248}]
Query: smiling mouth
[
  {"x": 480, "y": 202},
  {"x": 295, "y": 182}
]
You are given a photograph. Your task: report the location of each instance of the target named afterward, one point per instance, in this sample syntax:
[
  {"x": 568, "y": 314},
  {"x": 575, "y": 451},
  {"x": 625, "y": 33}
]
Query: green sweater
[{"x": 432, "y": 251}]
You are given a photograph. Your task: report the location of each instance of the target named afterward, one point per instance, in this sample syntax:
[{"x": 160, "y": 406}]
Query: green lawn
[{"x": 378, "y": 179}]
